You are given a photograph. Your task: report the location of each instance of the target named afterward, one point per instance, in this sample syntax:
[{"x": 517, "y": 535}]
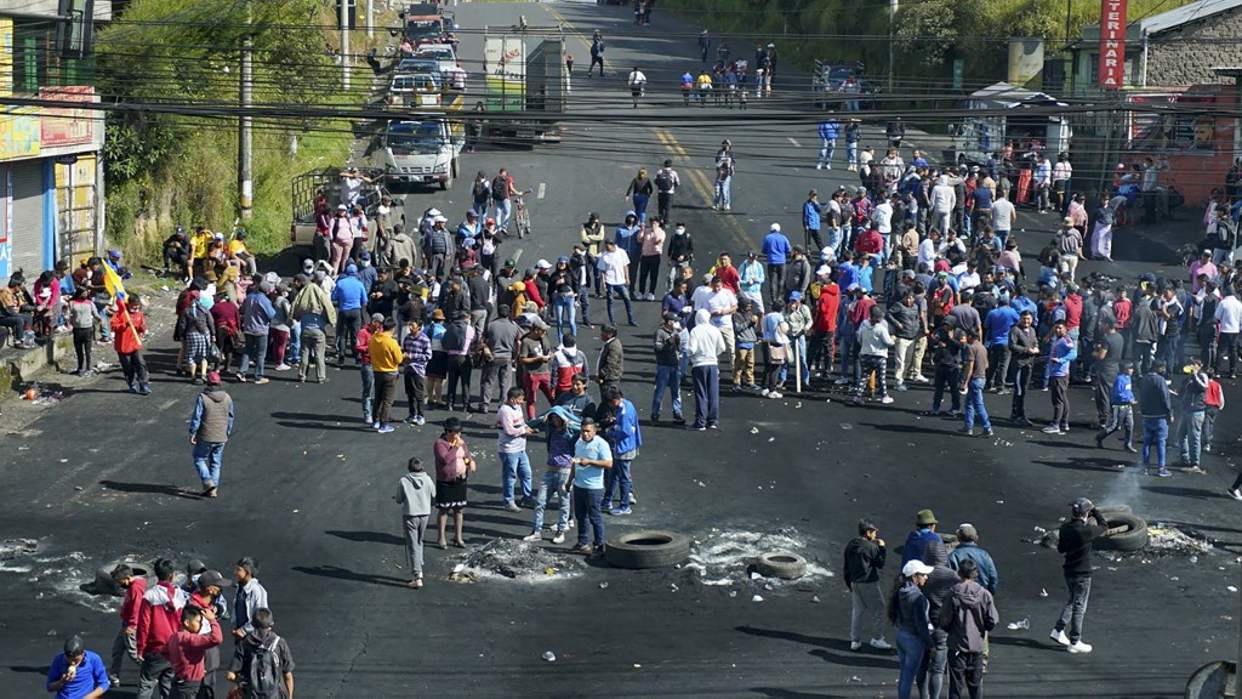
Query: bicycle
[{"x": 521, "y": 215}]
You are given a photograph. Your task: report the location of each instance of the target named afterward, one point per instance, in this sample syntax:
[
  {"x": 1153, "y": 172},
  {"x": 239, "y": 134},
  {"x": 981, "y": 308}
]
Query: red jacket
[
  {"x": 159, "y": 618},
  {"x": 1073, "y": 311},
  {"x": 185, "y": 651},
  {"x": 532, "y": 293},
  {"x": 362, "y": 344},
  {"x": 730, "y": 278},
  {"x": 860, "y": 310},
  {"x": 1122, "y": 309},
  {"x": 132, "y": 605},
  {"x": 827, "y": 307},
  {"x": 126, "y": 341},
  {"x": 869, "y": 242}
]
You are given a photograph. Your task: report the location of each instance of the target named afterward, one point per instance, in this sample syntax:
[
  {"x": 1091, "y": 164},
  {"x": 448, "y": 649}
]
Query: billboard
[
  {"x": 1112, "y": 44},
  {"x": 68, "y": 126}
]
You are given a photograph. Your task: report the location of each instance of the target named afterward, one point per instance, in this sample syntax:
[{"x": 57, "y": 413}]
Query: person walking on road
[
  {"x": 1156, "y": 409},
  {"x": 974, "y": 378},
  {"x": 597, "y": 53},
  {"x": 829, "y": 130},
  {"x": 1061, "y": 354},
  {"x": 666, "y": 182},
  {"x": 908, "y": 612},
  {"x": 967, "y": 615},
  {"x": 262, "y": 663},
  {"x": 638, "y": 83},
  {"x": 257, "y": 314},
  {"x": 706, "y": 344},
  {"x": 211, "y": 425},
  {"x": 864, "y": 560},
  {"x": 1121, "y": 403},
  {"x": 415, "y": 493},
  {"x": 135, "y": 587},
  {"x": 726, "y": 165},
  {"x": 1077, "y": 536}
]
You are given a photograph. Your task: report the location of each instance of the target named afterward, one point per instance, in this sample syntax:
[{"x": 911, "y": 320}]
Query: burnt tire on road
[
  {"x": 103, "y": 584},
  {"x": 1131, "y": 537},
  {"x": 786, "y": 565},
  {"x": 647, "y": 548}
]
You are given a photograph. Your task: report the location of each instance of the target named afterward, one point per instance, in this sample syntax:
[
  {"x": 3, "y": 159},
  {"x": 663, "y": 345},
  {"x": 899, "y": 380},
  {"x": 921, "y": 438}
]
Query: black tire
[
  {"x": 103, "y": 583},
  {"x": 786, "y": 565},
  {"x": 1134, "y": 538},
  {"x": 647, "y": 548}
]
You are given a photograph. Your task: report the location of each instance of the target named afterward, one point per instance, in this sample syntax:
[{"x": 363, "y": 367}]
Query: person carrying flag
[{"x": 129, "y": 329}]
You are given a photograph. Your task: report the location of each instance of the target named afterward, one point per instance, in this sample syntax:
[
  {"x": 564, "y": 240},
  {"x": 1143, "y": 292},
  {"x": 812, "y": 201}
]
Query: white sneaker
[
  {"x": 283, "y": 367},
  {"x": 775, "y": 394},
  {"x": 766, "y": 393},
  {"x": 881, "y": 644},
  {"x": 921, "y": 379},
  {"x": 1235, "y": 494},
  {"x": 855, "y": 645},
  {"x": 886, "y": 400},
  {"x": 820, "y": 166},
  {"x": 1059, "y": 637},
  {"x": 1079, "y": 647},
  {"x": 559, "y": 538},
  {"x": 533, "y": 536}
]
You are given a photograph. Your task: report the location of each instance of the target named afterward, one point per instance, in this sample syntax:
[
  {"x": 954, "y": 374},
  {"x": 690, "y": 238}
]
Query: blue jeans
[
  {"x": 368, "y": 392},
  {"x": 295, "y": 343},
  {"x": 208, "y": 457},
  {"x": 105, "y": 321},
  {"x": 706, "y": 395},
  {"x": 910, "y": 651},
  {"x": 623, "y": 292},
  {"x": 851, "y": 152},
  {"x": 724, "y": 193},
  {"x": 1190, "y": 436},
  {"x": 563, "y": 308},
  {"x": 587, "y": 513},
  {"x": 827, "y": 147},
  {"x": 503, "y": 211},
  {"x": 667, "y": 377},
  {"x": 255, "y": 351},
  {"x": 618, "y": 476},
  {"x": 640, "y": 205},
  {"x": 553, "y": 480},
  {"x": 1155, "y": 433},
  {"x": 479, "y": 208},
  {"x": 975, "y": 406},
  {"x": 802, "y": 362},
  {"x": 514, "y": 467}
]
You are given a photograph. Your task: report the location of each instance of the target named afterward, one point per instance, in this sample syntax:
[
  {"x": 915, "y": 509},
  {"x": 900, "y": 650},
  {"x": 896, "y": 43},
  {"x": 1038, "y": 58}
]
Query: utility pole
[
  {"x": 345, "y": 44},
  {"x": 370, "y": 28},
  {"x": 245, "y": 175},
  {"x": 892, "y": 17}
]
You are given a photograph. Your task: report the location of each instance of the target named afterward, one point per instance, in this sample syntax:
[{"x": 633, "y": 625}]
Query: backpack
[
  {"x": 454, "y": 339},
  {"x": 266, "y": 677},
  {"x": 500, "y": 188},
  {"x": 663, "y": 181},
  {"x": 481, "y": 191}
]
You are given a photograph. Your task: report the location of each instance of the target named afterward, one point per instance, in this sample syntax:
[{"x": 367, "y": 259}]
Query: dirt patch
[{"x": 514, "y": 559}]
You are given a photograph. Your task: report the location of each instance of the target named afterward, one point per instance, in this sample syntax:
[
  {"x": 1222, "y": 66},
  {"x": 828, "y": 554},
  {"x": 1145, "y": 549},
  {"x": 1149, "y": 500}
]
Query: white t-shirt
[
  {"x": 637, "y": 79},
  {"x": 721, "y": 301},
  {"x": 1229, "y": 314},
  {"x": 351, "y": 187},
  {"x": 1002, "y": 214},
  {"x": 615, "y": 264},
  {"x": 882, "y": 216}
]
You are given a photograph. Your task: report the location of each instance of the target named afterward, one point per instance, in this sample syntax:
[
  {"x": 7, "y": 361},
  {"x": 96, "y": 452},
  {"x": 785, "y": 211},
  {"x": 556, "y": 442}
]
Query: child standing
[
  {"x": 1122, "y": 400},
  {"x": 1214, "y": 399},
  {"x": 414, "y": 494},
  {"x": 82, "y": 317},
  {"x": 129, "y": 331}
]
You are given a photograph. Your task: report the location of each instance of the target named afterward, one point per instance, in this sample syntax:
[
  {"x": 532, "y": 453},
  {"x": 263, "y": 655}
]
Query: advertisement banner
[
  {"x": 6, "y": 57},
  {"x": 19, "y": 135},
  {"x": 1112, "y": 44},
  {"x": 68, "y": 126}
]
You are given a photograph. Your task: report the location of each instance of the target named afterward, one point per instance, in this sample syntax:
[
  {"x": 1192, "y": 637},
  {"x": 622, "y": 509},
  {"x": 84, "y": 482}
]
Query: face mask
[
  {"x": 680, "y": 231},
  {"x": 364, "y": 263}
]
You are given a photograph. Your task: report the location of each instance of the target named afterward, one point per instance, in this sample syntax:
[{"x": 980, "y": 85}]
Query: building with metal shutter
[{"x": 51, "y": 173}]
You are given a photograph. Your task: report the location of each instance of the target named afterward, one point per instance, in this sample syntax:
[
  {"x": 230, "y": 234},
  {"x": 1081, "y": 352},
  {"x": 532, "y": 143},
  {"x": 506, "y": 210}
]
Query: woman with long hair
[{"x": 908, "y": 611}]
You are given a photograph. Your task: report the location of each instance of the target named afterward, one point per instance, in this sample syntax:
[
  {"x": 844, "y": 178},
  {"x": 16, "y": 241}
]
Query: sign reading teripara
[{"x": 1112, "y": 44}]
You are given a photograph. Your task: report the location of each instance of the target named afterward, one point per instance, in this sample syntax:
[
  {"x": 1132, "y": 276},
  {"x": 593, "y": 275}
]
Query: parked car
[{"x": 446, "y": 59}]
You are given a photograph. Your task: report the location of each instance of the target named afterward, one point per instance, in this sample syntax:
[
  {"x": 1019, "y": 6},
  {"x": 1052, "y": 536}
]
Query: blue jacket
[
  {"x": 997, "y": 323},
  {"x": 776, "y": 248},
  {"x": 916, "y": 543},
  {"x": 625, "y": 436},
  {"x": 257, "y": 313},
  {"x": 368, "y": 276},
  {"x": 627, "y": 240},
  {"x": 1023, "y": 303},
  {"x": 1063, "y": 351},
  {"x": 350, "y": 294},
  {"x": 1123, "y": 390},
  {"x": 983, "y": 561},
  {"x": 829, "y": 129},
  {"x": 810, "y": 215}
]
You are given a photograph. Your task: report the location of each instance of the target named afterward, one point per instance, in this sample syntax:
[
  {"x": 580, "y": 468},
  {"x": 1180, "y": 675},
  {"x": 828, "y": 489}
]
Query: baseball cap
[
  {"x": 377, "y": 317},
  {"x": 915, "y": 567},
  {"x": 1082, "y": 506},
  {"x": 212, "y": 577},
  {"x": 795, "y": 296},
  {"x": 543, "y": 264},
  {"x": 213, "y": 378}
]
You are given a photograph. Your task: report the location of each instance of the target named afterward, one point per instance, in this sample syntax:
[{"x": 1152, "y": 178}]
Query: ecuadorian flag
[{"x": 112, "y": 282}]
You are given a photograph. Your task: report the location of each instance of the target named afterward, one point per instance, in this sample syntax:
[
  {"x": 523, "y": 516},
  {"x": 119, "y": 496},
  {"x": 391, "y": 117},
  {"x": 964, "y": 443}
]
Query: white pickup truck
[{"x": 417, "y": 152}]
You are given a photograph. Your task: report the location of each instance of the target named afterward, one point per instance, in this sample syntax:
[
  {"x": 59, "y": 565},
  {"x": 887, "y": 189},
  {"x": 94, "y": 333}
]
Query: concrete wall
[{"x": 1186, "y": 55}]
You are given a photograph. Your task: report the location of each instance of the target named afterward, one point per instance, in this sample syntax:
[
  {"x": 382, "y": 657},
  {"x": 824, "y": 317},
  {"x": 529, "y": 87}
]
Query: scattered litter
[
  {"x": 1164, "y": 539},
  {"x": 1231, "y": 588},
  {"x": 638, "y": 666},
  {"x": 702, "y": 484},
  {"x": 549, "y": 656},
  {"x": 1020, "y": 625},
  {"x": 754, "y": 430},
  {"x": 1194, "y": 559},
  {"x": 603, "y": 585},
  {"x": 64, "y": 461},
  {"x": 515, "y": 559},
  {"x": 733, "y": 593},
  {"x": 767, "y": 586},
  {"x": 1000, "y": 502},
  {"x": 672, "y": 587},
  {"x": 855, "y": 678},
  {"x": 754, "y": 575},
  {"x": 756, "y": 598},
  {"x": 77, "y": 487},
  {"x": 725, "y": 558},
  {"x": 1174, "y": 578},
  {"x": 846, "y": 426},
  {"x": 798, "y": 404},
  {"x": 1043, "y": 592},
  {"x": 815, "y": 599},
  {"x": 296, "y": 511},
  {"x": 1040, "y": 530},
  {"x": 771, "y": 439}
]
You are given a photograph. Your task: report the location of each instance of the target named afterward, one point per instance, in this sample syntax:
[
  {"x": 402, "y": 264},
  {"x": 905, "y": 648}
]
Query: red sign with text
[{"x": 1112, "y": 44}]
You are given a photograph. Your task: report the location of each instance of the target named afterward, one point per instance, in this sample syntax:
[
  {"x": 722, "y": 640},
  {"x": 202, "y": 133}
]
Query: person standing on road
[
  {"x": 415, "y": 493},
  {"x": 416, "y": 353},
  {"x": 811, "y": 220},
  {"x": 362, "y": 350},
  {"x": 251, "y": 596},
  {"x": 974, "y": 378},
  {"x": 615, "y": 265},
  {"x": 638, "y": 83},
  {"x": 829, "y": 130},
  {"x": 610, "y": 366},
  {"x": 454, "y": 463},
  {"x": 211, "y": 425},
  {"x": 534, "y": 373},
  {"x": 1228, "y": 325},
  {"x": 129, "y": 331},
  {"x": 726, "y": 165},
  {"x": 1156, "y": 408},
  {"x": 923, "y": 535},
  {"x": 562, "y": 427},
  {"x": 651, "y": 239},
  {"x": 592, "y": 458},
  {"x": 908, "y": 612},
  {"x": 666, "y": 182},
  {"x": 706, "y": 344},
  {"x": 597, "y": 53},
  {"x": 874, "y": 341},
  {"x": 349, "y": 296},
  {"x": 187, "y": 650},
  {"x": 386, "y": 360},
  {"x": 501, "y": 341},
  {"x": 996, "y": 327},
  {"x": 625, "y": 437},
  {"x": 940, "y": 581},
  {"x": 158, "y": 619},
  {"x": 262, "y": 664},
  {"x": 668, "y": 352},
  {"x": 135, "y": 587},
  {"x": 1190, "y": 424},
  {"x": 852, "y": 133},
  {"x": 1121, "y": 401},
  {"x": 511, "y": 449},
  {"x": 1061, "y": 354},
  {"x": 968, "y": 614},
  {"x": 77, "y": 673},
  {"x": 1077, "y": 536},
  {"x": 639, "y": 194},
  {"x": 864, "y": 559},
  {"x": 315, "y": 312},
  {"x": 1105, "y": 367},
  {"x": 776, "y": 249}
]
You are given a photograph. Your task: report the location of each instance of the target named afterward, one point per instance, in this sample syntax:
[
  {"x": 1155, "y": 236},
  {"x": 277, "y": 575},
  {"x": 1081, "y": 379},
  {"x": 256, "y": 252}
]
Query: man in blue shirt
[
  {"x": 625, "y": 437},
  {"x": 776, "y": 249},
  {"x": 811, "y": 220},
  {"x": 1062, "y": 352},
  {"x": 924, "y": 534},
  {"x": 591, "y": 457},
  {"x": 829, "y": 130},
  {"x": 349, "y": 296},
  {"x": 996, "y": 326},
  {"x": 77, "y": 673}
]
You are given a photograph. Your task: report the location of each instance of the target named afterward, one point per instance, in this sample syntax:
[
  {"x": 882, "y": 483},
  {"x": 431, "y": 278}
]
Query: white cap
[
  {"x": 543, "y": 264},
  {"x": 776, "y": 226},
  {"x": 915, "y": 567},
  {"x": 433, "y": 212},
  {"x": 439, "y": 219}
]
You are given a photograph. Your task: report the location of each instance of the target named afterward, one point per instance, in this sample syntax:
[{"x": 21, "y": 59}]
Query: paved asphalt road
[{"x": 307, "y": 490}]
